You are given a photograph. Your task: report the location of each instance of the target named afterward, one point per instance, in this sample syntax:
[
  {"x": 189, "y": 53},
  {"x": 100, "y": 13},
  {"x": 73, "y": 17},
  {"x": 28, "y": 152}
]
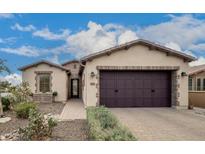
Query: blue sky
[{"x": 26, "y": 38}]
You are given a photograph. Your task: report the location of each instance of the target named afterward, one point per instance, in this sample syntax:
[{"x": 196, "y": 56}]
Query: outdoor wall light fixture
[
  {"x": 92, "y": 74},
  {"x": 183, "y": 74}
]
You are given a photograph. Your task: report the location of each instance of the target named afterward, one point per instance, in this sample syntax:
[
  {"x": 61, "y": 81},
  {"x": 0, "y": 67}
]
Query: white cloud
[
  {"x": 1, "y": 40},
  {"x": 14, "y": 79},
  {"x": 127, "y": 36},
  {"x": 27, "y": 28},
  {"x": 46, "y": 34},
  {"x": 28, "y": 51},
  {"x": 98, "y": 37},
  {"x": 173, "y": 46},
  {"x": 54, "y": 59},
  {"x": 183, "y": 30},
  {"x": 200, "y": 61},
  {"x": 6, "y": 15},
  {"x": 197, "y": 47},
  {"x": 9, "y": 40}
]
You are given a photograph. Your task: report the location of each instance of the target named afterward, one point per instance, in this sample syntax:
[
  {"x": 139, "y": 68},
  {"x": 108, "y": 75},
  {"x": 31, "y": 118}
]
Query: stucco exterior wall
[
  {"x": 58, "y": 81},
  {"x": 135, "y": 56},
  {"x": 197, "y": 98}
]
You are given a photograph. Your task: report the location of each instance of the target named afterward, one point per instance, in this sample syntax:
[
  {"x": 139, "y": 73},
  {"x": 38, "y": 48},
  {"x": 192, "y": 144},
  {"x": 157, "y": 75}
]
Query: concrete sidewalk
[{"x": 74, "y": 109}]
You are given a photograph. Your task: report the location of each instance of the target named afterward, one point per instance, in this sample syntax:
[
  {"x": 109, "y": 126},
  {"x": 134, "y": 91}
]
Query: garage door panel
[
  {"x": 138, "y": 101},
  {"x": 120, "y": 83},
  {"x": 147, "y": 93},
  {"x": 147, "y": 102},
  {"x": 129, "y": 84},
  {"x": 107, "y": 93},
  {"x": 138, "y": 83},
  {"x": 147, "y": 83},
  {"x": 135, "y": 88},
  {"x": 108, "y": 83},
  {"x": 138, "y": 93},
  {"x": 128, "y": 93}
]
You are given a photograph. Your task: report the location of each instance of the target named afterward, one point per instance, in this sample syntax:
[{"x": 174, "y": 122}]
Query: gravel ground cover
[
  {"x": 14, "y": 124},
  {"x": 54, "y": 108},
  {"x": 75, "y": 130}
]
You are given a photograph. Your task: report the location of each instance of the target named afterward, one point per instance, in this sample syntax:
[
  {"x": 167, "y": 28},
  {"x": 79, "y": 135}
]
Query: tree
[{"x": 3, "y": 68}]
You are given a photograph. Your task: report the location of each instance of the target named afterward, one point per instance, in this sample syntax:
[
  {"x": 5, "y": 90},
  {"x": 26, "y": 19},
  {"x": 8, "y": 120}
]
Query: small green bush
[
  {"x": 103, "y": 126},
  {"x": 5, "y": 103},
  {"x": 22, "y": 109},
  {"x": 38, "y": 127}
]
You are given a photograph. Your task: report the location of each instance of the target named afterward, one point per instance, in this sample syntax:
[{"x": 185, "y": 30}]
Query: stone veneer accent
[
  {"x": 36, "y": 78},
  {"x": 43, "y": 97},
  {"x": 174, "y": 79},
  {"x": 137, "y": 67}
]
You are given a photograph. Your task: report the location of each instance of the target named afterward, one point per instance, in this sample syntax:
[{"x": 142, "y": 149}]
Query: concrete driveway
[{"x": 162, "y": 123}]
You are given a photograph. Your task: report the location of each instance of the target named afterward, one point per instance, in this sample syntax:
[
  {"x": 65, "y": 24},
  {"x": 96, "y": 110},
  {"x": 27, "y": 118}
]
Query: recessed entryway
[{"x": 74, "y": 88}]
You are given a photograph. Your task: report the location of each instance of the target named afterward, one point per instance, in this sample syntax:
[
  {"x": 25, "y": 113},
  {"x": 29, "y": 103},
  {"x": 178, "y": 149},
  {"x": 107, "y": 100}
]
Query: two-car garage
[
  {"x": 139, "y": 73},
  {"x": 135, "y": 88}
]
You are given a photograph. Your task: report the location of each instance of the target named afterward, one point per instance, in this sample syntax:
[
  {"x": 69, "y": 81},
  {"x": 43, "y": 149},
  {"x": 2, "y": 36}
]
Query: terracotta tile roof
[
  {"x": 141, "y": 42},
  {"x": 43, "y": 62},
  {"x": 70, "y": 61},
  {"x": 196, "y": 69}
]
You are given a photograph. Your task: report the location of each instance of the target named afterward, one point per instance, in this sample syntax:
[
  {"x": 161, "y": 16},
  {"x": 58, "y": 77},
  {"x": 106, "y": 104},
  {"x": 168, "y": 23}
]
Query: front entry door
[{"x": 75, "y": 88}]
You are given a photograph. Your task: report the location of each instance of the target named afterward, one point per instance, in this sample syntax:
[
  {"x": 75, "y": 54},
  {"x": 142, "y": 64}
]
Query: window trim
[
  {"x": 37, "y": 85},
  {"x": 44, "y": 83},
  {"x": 190, "y": 83},
  {"x": 198, "y": 87}
]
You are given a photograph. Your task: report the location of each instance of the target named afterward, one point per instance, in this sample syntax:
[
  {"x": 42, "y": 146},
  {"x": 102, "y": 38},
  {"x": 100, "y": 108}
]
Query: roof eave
[
  {"x": 45, "y": 62},
  {"x": 139, "y": 41}
]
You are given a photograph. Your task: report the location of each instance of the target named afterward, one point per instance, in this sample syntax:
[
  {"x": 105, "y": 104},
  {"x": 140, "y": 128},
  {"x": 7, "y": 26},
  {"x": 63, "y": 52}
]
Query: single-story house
[
  {"x": 197, "y": 86},
  {"x": 139, "y": 73}
]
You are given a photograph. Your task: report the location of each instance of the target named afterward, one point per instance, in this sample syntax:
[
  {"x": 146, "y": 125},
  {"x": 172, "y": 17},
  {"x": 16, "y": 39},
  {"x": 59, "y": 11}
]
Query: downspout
[{"x": 85, "y": 82}]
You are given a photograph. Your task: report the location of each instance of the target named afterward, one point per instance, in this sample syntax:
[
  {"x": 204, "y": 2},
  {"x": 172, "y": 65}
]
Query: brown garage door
[{"x": 135, "y": 88}]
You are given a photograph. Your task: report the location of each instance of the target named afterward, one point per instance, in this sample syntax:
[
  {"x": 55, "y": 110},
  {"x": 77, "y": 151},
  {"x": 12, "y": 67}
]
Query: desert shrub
[
  {"x": 20, "y": 93},
  {"x": 5, "y": 103},
  {"x": 22, "y": 109},
  {"x": 38, "y": 127},
  {"x": 104, "y": 126}
]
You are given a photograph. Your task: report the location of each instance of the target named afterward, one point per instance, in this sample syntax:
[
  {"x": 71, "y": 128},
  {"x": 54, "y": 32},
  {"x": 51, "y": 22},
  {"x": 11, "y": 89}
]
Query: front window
[
  {"x": 198, "y": 84},
  {"x": 44, "y": 83},
  {"x": 190, "y": 83}
]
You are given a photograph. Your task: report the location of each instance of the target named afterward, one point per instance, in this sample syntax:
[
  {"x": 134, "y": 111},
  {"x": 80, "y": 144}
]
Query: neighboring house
[
  {"x": 135, "y": 74},
  {"x": 197, "y": 86}
]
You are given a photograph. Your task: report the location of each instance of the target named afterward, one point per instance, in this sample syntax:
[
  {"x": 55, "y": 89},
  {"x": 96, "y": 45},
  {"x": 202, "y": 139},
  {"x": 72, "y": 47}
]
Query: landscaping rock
[
  {"x": 12, "y": 136},
  {"x": 5, "y": 119}
]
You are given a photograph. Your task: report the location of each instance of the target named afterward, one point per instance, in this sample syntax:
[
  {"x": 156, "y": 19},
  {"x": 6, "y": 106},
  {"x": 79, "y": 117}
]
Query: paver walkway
[
  {"x": 74, "y": 109},
  {"x": 162, "y": 123}
]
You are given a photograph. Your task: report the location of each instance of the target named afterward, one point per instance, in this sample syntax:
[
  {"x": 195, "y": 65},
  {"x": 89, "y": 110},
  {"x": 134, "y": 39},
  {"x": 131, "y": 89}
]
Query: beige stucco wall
[
  {"x": 135, "y": 56},
  {"x": 59, "y": 80},
  {"x": 197, "y": 98}
]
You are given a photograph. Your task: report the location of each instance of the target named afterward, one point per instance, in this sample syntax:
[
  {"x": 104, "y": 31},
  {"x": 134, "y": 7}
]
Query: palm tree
[{"x": 3, "y": 68}]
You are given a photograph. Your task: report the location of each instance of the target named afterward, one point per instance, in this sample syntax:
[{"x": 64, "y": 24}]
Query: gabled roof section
[
  {"x": 70, "y": 61},
  {"x": 151, "y": 45},
  {"x": 43, "y": 62},
  {"x": 196, "y": 69}
]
